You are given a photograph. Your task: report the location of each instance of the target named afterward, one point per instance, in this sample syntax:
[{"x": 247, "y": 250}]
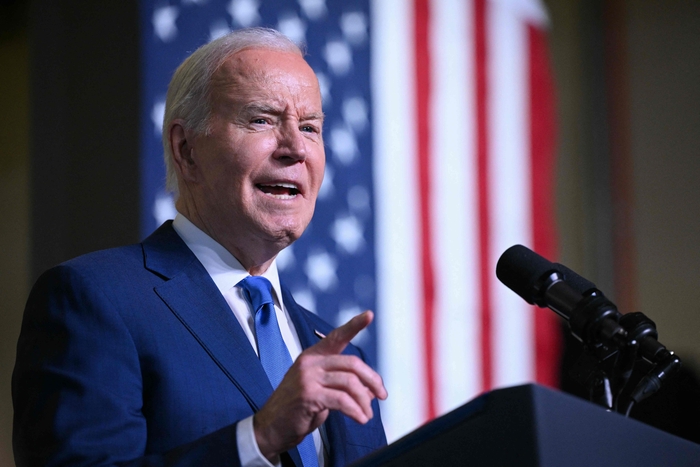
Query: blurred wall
[
  {"x": 14, "y": 201},
  {"x": 85, "y": 85},
  {"x": 628, "y": 77},
  {"x": 69, "y": 148},
  {"x": 664, "y": 70}
]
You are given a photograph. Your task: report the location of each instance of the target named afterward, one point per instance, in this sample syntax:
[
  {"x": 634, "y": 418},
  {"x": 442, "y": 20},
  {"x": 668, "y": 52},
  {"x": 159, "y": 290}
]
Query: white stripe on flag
[
  {"x": 398, "y": 293},
  {"x": 454, "y": 224},
  {"x": 510, "y": 181}
]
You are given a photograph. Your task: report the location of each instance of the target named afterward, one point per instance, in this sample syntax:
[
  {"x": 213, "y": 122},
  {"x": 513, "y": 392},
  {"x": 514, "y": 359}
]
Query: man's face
[{"x": 260, "y": 166}]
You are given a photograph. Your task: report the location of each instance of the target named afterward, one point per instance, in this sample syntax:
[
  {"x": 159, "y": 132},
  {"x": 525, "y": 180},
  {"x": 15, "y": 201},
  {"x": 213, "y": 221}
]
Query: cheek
[
  {"x": 318, "y": 169},
  {"x": 252, "y": 154}
]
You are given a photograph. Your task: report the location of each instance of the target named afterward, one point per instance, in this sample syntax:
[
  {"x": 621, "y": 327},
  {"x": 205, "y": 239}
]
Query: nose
[{"x": 291, "y": 143}]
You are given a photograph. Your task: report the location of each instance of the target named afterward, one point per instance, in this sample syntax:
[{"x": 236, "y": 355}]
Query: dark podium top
[{"x": 534, "y": 426}]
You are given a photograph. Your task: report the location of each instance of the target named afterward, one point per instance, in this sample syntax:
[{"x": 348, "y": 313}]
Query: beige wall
[
  {"x": 661, "y": 50},
  {"x": 664, "y": 63},
  {"x": 14, "y": 215}
]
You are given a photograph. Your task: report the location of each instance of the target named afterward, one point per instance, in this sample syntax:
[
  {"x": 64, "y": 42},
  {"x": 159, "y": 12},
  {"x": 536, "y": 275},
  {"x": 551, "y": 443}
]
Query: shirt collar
[{"x": 225, "y": 270}]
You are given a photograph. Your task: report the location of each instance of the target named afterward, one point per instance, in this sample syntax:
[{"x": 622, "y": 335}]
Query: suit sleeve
[{"x": 77, "y": 386}]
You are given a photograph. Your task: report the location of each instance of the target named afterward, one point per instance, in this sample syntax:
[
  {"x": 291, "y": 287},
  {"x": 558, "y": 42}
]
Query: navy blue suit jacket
[{"x": 132, "y": 355}]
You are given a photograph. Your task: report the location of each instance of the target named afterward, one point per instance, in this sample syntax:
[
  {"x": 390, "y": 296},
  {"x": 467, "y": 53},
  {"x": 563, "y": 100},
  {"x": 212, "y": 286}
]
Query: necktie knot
[{"x": 258, "y": 291}]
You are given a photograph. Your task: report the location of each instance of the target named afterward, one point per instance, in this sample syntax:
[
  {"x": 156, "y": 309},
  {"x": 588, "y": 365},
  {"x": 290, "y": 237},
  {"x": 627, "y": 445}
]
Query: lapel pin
[{"x": 319, "y": 334}]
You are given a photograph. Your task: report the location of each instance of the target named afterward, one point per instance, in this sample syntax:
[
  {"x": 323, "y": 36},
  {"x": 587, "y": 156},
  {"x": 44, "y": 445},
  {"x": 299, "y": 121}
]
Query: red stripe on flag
[
  {"x": 482, "y": 134},
  {"x": 542, "y": 147},
  {"x": 423, "y": 94}
]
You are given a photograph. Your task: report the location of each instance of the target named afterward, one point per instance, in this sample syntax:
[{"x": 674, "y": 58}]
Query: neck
[{"x": 255, "y": 258}]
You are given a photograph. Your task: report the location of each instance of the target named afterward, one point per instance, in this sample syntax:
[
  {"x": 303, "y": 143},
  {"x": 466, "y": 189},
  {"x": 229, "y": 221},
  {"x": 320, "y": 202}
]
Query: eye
[
  {"x": 309, "y": 129},
  {"x": 259, "y": 121}
]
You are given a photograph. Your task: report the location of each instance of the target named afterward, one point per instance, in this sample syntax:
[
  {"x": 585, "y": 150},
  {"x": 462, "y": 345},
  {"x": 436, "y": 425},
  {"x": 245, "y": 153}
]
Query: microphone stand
[
  {"x": 666, "y": 363},
  {"x": 610, "y": 355},
  {"x": 608, "y": 358},
  {"x": 612, "y": 343}
]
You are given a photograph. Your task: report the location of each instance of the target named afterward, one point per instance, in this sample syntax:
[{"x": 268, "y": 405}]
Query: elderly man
[{"x": 177, "y": 351}]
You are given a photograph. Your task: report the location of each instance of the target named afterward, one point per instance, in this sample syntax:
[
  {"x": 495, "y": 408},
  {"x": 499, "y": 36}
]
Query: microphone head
[{"x": 523, "y": 271}]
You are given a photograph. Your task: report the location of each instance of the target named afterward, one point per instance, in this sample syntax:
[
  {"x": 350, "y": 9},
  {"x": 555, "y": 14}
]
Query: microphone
[{"x": 592, "y": 318}]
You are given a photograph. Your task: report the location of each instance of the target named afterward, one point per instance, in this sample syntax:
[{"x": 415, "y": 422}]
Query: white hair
[{"x": 189, "y": 91}]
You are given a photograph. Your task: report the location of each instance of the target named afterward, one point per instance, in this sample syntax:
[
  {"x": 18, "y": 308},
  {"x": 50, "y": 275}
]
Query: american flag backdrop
[{"x": 439, "y": 141}]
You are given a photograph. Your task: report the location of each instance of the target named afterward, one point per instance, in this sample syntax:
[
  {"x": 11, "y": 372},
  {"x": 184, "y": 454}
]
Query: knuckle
[
  {"x": 346, "y": 401},
  {"x": 354, "y": 362},
  {"x": 305, "y": 361}
]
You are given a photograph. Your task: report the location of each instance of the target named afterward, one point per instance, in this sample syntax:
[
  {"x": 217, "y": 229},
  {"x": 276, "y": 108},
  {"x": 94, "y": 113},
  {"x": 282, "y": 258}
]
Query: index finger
[{"x": 336, "y": 341}]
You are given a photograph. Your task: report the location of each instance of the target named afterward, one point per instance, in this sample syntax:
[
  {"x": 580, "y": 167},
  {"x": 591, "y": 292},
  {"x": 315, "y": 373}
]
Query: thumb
[{"x": 336, "y": 341}]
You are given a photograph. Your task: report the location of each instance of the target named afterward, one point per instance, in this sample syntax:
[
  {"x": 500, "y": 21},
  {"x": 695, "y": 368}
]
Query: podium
[{"x": 535, "y": 426}]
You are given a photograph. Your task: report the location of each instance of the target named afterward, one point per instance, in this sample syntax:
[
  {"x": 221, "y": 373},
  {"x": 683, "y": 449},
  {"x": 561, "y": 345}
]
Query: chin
[
  {"x": 283, "y": 226},
  {"x": 285, "y": 232}
]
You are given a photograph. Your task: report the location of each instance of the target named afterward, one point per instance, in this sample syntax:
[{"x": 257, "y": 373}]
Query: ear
[{"x": 182, "y": 148}]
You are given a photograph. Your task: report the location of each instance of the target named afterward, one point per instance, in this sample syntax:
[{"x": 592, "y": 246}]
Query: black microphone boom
[{"x": 592, "y": 317}]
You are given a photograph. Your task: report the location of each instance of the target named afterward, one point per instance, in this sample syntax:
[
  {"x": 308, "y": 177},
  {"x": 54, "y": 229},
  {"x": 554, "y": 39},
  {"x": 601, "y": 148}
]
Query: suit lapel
[
  {"x": 195, "y": 300},
  {"x": 303, "y": 325}
]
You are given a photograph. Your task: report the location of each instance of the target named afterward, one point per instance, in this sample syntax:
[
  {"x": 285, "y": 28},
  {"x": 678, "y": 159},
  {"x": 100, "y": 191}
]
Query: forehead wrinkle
[{"x": 240, "y": 79}]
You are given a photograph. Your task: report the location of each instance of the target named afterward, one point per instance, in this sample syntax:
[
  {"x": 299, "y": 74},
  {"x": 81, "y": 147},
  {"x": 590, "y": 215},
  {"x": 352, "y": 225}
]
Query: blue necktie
[{"x": 272, "y": 350}]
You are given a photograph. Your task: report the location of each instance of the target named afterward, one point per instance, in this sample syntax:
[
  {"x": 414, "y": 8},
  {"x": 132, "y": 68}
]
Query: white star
[
  {"x": 343, "y": 145},
  {"x": 327, "y": 187},
  {"x": 355, "y": 113},
  {"x": 346, "y": 313},
  {"x": 293, "y": 27},
  {"x": 325, "y": 84},
  {"x": 305, "y": 298},
  {"x": 320, "y": 269},
  {"x": 358, "y": 199},
  {"x": 164, "y": 22},
  {"x": 285, "y": 258},
  {"x": 218, "y": 29},
  {"x": 354, "y": 27},
  {"x": 157, "y": 113},
  {"x": 194, "y": 2},
  {"x": 338, "y": 56},
  {"x": 314, "y": 9},
  {"x": 244, "y": 12},
  {"x": 347, "y": 233},
  {"x": 164, "y": 207}
]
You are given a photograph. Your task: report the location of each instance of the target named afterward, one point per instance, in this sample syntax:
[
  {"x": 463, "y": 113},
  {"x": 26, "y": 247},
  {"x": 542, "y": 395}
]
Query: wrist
[{"x": 263, "y": 439}]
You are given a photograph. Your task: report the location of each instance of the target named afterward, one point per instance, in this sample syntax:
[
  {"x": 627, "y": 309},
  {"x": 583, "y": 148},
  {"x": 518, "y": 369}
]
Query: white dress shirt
[{"x": 226, "y": 271}]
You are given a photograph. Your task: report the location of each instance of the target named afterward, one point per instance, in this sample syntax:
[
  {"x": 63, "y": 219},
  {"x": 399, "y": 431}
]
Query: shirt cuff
[{"x": 248, "y": 450}]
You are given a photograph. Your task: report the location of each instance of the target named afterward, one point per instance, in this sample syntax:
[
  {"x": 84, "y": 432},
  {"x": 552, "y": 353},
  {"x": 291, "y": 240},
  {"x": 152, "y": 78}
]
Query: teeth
[
  {"x": 283, "y": 185},
  {"x": 280, "y": 190}
]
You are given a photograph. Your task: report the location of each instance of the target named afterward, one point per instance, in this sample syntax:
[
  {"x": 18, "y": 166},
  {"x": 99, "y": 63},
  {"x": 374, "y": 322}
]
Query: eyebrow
[
  {"x": 265, "y": 108},
  {"x": 261, "y": 107},
  {"x": 313, "y": 116}
]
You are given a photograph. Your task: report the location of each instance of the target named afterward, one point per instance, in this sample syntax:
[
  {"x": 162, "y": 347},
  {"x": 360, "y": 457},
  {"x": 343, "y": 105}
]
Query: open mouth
[{"x": 279, "y": 190}]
